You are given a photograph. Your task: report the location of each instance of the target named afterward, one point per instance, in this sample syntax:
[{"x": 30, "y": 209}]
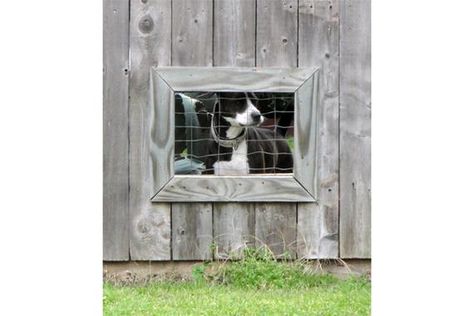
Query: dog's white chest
[{"x": 238, "y": 164}]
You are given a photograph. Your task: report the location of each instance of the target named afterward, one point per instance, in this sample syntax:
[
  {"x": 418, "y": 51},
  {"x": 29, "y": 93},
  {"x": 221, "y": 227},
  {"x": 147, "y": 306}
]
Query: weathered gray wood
[
  {"x": 150, "y": 45},
  {"x": 355, "y": 115},
  {"x": 207, "y": 188},
  {"x": 232, "y": 79},
  {"x": 234, "y": 229},
  {"x": 152, "y": 233},
  {"x": 115, "y": 141},
  {"x": 165, "y": 80},
  {"x": 234, "y": 45},
  {"x": 277, "y": 33},
  {"x": 319, "y": 46},
  {"x": 276, "y": 228},
  {"x": 192, "y": 46},
  {"x": 306, "y": 106},
  {"x": 192, "y": 32},
  {"x": 192, "y": 231},
  {"x": 234, "y": 33},
  {"x": 276, "y": 47},
  {"x": 150, "y": 36},
  {"x": 162, "y": 133}
]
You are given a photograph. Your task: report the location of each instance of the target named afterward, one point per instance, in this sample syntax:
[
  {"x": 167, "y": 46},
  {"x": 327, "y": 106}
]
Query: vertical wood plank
[
  {"x": 192, "y": 33},
  {"x": 192, "y": 231},
  {"x": 150, "y": 45},
  {"x": 234, "y": 46},
  {"x": 234, "y": 33},
  {"x": 276, "y": 47},
  {"x": 115, "y": 141},
  {"x": 319, "y": 46},
  {"x": 234, "y": 228},
  {"x": 277, "y": 33},
  {"x": 275, "y": 228},
  {"x": 192, "y": 46},
  {"x": 355, "y": 114}
]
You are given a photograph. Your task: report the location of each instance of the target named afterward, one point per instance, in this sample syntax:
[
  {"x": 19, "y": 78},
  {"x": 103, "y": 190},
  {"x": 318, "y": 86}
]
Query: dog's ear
[{"x": 253, "y": 98}]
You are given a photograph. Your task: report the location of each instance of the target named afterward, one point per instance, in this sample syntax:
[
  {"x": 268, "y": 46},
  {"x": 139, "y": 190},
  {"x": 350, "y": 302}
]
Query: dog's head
[{"x": 238, "y": 109}]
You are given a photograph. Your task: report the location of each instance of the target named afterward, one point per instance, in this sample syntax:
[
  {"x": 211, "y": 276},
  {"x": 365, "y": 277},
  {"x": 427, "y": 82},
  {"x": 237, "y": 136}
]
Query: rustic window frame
[{"x": 300, "y": 186}]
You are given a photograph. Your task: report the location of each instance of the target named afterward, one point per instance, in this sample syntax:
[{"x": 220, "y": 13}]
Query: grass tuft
[{"x": 259, "y": 269}]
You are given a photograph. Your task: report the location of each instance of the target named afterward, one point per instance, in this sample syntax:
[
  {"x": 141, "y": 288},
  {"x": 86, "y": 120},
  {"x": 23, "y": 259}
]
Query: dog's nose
[{"x": 255, "y": 116}]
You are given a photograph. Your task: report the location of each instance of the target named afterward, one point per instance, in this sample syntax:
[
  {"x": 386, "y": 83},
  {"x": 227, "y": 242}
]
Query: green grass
[
  {"x": 349, "y": 297},
  {"x": 258, "y": 284}
]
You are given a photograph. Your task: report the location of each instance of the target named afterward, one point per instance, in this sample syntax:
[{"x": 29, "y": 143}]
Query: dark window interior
[{"x": 234, "y": 133}]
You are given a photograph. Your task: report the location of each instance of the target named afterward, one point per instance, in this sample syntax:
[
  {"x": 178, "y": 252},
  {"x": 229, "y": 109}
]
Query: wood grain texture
[
  {"x": 234, "y": 46},
  {"x": 209, "y": 188},
  {"x": 162, "y": 99},
  {"x": 306, "y": 106},
  {"x": 135, "y": 227},
  {"x": 277, "y": 33},
  {"x": 276, "y": 47},
  {"x": 150, "y": 45},
  {"x": 115, "y": 139},
  {"x": 192, "y": 32},
  {"x": 234, "y": 33},
  {"x": 234, "y": 79},
  {"x": 234, "y": 229},
  {"x": 275, "y": 228},
  {"x": 319, "y": 46},
  {"x": 192, "y": 231},
  {"x": 355, "y": 131},
  {"x": 192, "y": 46}
]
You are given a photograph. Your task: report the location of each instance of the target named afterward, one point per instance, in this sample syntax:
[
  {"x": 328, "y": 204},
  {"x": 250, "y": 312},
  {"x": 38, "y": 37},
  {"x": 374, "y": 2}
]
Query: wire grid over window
[{"x": 234, "y": 133}]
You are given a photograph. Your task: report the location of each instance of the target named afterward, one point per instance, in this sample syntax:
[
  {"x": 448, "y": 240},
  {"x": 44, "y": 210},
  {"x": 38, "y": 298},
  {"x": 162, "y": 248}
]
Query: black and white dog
[{"x": 238, "y": 146}]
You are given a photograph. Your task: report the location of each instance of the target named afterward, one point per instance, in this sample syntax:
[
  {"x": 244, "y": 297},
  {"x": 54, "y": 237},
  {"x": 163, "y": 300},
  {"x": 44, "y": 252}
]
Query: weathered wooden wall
[
  {"x": 319, "y": 45},
  {"x": 334, "y": 35},
  {"x": 355, "y": 109},
  {"x": 116, "y": 145}
]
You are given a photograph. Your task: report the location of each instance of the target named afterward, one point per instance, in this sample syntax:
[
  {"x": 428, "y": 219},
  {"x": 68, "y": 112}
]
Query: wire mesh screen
[{"x": 234, "y": 133}]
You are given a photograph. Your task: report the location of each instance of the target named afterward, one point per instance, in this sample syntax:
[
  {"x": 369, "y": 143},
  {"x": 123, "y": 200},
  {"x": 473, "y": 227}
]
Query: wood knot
[
  {"x": 143, "y": 227},
  {"x": 146, "y": 24}
]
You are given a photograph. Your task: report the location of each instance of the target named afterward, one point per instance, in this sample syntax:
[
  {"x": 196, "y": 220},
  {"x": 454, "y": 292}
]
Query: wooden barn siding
[
  {"x": 263, "y": 33},
  {"x": 355, "y": 111},
  {"x": 319, "y": 45},
  {"x": 150, "y": 45},
  {"x": 115, "y": 146},
  {"x": 191, "y": 225}
]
